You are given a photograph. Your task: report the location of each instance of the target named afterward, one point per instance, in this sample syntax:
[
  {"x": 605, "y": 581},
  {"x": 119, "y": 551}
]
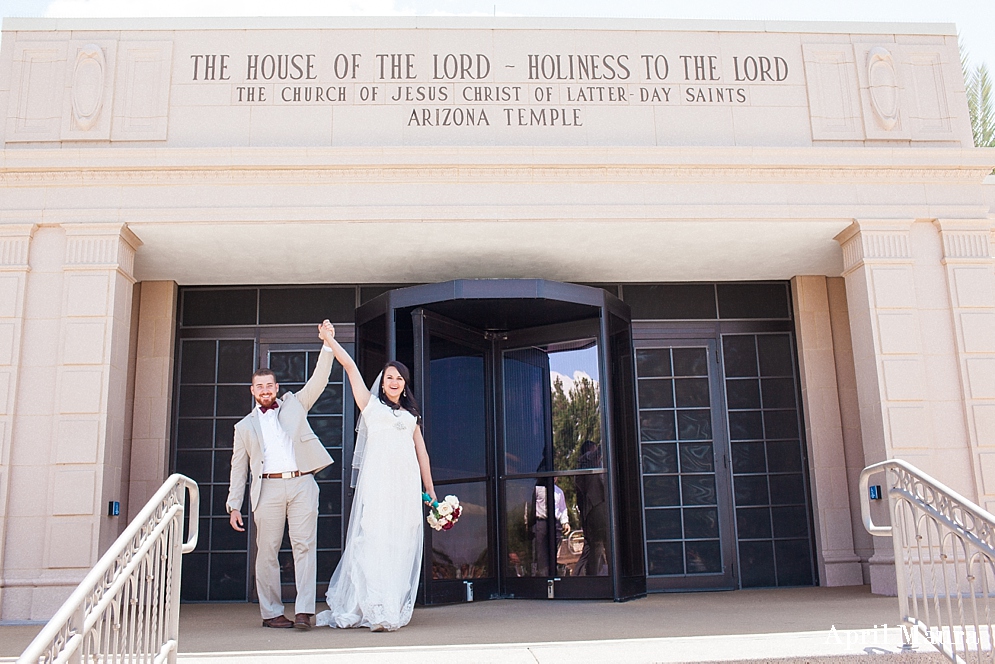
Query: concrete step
[{"x": 877, "y": 646}]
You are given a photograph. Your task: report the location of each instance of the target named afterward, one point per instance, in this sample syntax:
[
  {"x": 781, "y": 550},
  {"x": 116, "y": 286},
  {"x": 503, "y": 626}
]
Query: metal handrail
[
  {"x": 127, "y": 608},
  {"x": 944, "y": 561}
]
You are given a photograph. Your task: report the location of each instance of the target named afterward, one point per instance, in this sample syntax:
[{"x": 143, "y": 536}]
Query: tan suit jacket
[{"x": 247, "y": 454}]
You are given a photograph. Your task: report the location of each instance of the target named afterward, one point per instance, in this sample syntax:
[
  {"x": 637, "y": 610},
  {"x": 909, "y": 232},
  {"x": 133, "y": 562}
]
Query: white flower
[
  {"x": 453, "y": 501},
  {"x": 444, "y": 509},
  {"x": 432, "y": 521}
]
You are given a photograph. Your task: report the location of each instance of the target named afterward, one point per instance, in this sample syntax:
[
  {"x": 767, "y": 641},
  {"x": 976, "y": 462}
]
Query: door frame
[{"x": 728, "y": 579}]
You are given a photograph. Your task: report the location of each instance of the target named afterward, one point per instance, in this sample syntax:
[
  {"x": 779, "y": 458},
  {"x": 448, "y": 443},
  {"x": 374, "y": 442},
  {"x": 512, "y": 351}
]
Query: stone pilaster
[
  {"x": 880, "y": 291},
  {"x": 970, "y": 280},
  {"x": 15, "y": 241},
  {"x": 90, "y": 391},
  {"x": 838, "y": 564},
  {"x": 153, "y": 391}
]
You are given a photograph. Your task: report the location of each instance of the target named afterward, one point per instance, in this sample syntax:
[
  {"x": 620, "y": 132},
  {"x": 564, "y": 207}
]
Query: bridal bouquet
[{"x": 444, "y": 515}]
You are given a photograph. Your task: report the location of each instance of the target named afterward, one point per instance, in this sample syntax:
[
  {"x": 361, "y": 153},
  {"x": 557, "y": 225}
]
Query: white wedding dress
[{"x": 376, "y": 580}]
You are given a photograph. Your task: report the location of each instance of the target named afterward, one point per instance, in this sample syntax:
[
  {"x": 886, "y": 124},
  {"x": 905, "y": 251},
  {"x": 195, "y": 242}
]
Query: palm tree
[{"x": 980, "y": 102}]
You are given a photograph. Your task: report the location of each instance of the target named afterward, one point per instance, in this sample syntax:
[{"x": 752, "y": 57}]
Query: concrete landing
[{"x": 785, "y": 625}]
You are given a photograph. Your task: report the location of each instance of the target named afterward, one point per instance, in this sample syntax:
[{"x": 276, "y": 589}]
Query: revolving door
[{"x": 527, "y": 393}]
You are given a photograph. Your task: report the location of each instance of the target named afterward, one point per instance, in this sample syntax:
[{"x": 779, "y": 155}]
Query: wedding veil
[{"x": 362, "y": 430}]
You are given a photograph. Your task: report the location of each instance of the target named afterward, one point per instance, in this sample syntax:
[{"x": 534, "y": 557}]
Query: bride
[{"x": 376, "y": 580}]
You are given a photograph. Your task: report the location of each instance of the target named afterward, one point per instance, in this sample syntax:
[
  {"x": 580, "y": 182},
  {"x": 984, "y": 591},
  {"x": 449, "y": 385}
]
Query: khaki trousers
[{"x": 294, "y": 502}]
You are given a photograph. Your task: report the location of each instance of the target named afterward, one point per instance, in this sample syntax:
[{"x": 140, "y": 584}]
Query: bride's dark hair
[{"x": 407, "y": 398}]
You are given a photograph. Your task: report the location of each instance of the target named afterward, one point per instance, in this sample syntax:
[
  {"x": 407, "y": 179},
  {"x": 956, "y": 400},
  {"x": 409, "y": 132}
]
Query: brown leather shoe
[
  {"x": 302, "y": 620},
  {"x": 281, "y": 622}
]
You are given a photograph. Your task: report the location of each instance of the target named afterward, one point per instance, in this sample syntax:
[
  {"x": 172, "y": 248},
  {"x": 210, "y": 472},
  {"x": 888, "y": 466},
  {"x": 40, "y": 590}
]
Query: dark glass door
[
  {"x": 685, "y": 467},
  {"x": 453, "y": 372},
  {"x": 553, "y": 476}
]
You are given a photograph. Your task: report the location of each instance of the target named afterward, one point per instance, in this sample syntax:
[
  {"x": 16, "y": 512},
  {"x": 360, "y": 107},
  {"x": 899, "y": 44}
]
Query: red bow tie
[{"x": 263, "y": 409}]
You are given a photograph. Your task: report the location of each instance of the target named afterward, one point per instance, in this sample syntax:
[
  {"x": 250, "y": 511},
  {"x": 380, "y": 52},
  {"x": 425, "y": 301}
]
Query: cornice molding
[
  {"x": 101, "y": 246},
  {"x": 966, "y": 239},
  {"x": 15, "y": 243},
  {"x": 879, "y": 241},
  {"x": 87, "y": 176}
]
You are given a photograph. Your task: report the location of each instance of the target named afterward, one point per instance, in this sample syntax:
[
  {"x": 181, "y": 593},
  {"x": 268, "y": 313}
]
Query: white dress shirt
[
  {"x": 560, "y": 504},
  {"x": 278, "y": 448}
]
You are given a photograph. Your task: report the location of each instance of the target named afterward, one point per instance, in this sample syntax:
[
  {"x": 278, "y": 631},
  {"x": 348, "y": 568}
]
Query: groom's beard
[{"x": 267, "y": 402}]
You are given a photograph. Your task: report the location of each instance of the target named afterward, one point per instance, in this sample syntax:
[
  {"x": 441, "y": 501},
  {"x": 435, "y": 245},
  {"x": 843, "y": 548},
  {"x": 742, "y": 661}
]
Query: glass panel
[
  {"x": 236, "y": 359},
  {"x": 194, "y": 433},
  {"x": 775, "y": 354},
  {"x": 228, "y": 571},
  {"x": 576, "y": 410},
  {"x": 282, "y": 306},
  {"x": 328, "y": 429},
  {"x": 195, "y": 465},
  {"x": 701, "y": 523},
  {"x": 584, "y": 550},
  {"x": 790, "y": 521},
  {"x": 739, "y": 354},
  {"x": 224, "y": 433},
  {"x": 753, "y": 522},
  {"x": 784, "y": 456},
  {"x": 746, "y": 425},
  {"x": 665, "y": 558},
  {"x": 696, "y": 458},
  {"x": 289, "y": 367},
  {"x": 329, "y": 497},
  {"x": 226, "y": 538},
  {"x": 751, "y": 490},
  {"x": 698, "y": 489},
  {"x": 671, "y": 301},
  {"x": 656, "y": 393},
  {"x": 690, "y": 361},
  {"x": 197, "y": 361},
  {"x": 526, "y": 390},
  {"x": 743, "y": 393},
  {"x": 756, "y": 564},
  {"x": 330, "y": 401},
  {"x": 234, "y": 400},
  {"x": 657, "y": 425},
  {"x": 329, "y": 533},
  {"x": 193, "y": 583},
  {"x": 779, "y": 392},
  {"x": 748, "y": 458},
  {"x": 463, "y": 553},
  {"x": 456, "y": 414},
  {"x": 703, "y": 557},
  {"x": 794, "y": 562},
  {"x": 744, "y": 300},
  {"x": 781, "y": 423},
  {"x": 653, "y": 362},
  {"x": 327, "y": 562},
  {"x": 660, "y": 458},
  {"x": 196, "y": 401},
  {"x": 663, "y": 524},
  {"x": 691, "y": 392},
  {"x": 661, "y": 491},
  {"x": 527, "y": 536},
  {"x": 236, "y": 306},
  {"x": 694, "y": 424},
  {"x": 787, "y": 489}
]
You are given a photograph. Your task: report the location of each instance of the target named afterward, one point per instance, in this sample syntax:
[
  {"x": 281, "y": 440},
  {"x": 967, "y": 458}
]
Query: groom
[{"x": 276, "y": 445}]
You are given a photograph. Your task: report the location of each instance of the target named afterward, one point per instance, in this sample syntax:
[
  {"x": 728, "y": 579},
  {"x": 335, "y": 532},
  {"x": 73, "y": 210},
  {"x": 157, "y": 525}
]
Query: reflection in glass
[
  {"x": 457, "y": 416},
  {"x": 462, "y": 553},
  {"x": 586, "y": 498},
  {"x": 576, "y": 412},
  {"x": 526, "y": 390}
]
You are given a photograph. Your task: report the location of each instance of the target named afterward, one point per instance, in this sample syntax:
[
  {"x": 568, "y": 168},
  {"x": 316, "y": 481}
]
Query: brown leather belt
[{"x": 289, "y": 475}]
